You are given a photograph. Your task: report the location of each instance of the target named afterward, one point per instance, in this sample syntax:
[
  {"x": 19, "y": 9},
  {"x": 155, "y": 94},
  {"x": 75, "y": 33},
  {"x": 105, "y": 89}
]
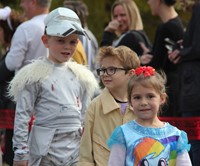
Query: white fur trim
[
  {"x": 86, "y": 77},
  {"x": 36, "y": 71},
  {"x": 40, "y": 69}
]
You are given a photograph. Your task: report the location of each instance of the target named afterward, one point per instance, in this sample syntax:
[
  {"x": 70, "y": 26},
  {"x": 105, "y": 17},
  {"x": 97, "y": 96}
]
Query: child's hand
[{"x": 20, "y": 163}]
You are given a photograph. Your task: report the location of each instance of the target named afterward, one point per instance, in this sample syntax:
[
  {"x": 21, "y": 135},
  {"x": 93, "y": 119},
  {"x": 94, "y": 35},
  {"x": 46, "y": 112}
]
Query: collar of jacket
[{"x": 108, "y": 102}]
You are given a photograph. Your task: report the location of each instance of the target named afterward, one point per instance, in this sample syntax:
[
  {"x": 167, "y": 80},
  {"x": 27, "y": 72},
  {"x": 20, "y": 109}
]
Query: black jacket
[
  {"x": 190, "y": 66},
  {"x": 191, "y": 42},
  {"x": 5, "y": 78},
  {"x": 130, "y": 39}
]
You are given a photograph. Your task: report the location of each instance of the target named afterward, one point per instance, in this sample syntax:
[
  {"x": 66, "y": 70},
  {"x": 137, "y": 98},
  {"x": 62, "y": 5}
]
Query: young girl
[{"x": 147, "y": 140}]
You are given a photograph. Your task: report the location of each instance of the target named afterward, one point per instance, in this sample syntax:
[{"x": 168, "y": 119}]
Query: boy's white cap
[{"x": 63, "y": 22}]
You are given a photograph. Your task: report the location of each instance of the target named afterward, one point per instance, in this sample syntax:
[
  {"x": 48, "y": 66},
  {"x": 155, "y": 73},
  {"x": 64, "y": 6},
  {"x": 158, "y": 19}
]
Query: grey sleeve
[
  {"x": 24, "y": 110},
  {"x": 85, "y": 100}
]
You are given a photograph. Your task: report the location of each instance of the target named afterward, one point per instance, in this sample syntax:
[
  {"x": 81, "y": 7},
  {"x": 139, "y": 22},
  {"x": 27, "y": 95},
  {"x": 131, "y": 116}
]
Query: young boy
[
  {"x": 110, "y": 109},
  {"x": 57, "y": 93}
]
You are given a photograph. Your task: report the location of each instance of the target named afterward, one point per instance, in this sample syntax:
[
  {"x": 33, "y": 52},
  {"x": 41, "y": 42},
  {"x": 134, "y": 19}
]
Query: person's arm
[
  {"x": 5, "y": 74},
  {"x": 24, "y": 111},
  {"x": 191, "y": 43},
  {"x": 109, "y": 33},
  {"x": 86, "y": 149},
  {"x": 183, "y": 147},
  {"x": 183, "y": 159},
  {"x": 107, "y": 39},
  {"x": 117, "y": 144},
  {"x": 18, "y": 49},
  {"x": 117, "y": 155},
  {"x": 145, "y": 59},
  {"x": 174, "y": 56}
]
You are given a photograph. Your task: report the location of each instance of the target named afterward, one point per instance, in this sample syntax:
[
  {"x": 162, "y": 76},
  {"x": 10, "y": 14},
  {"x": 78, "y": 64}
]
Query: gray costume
[{"x": 57, "y": 96}]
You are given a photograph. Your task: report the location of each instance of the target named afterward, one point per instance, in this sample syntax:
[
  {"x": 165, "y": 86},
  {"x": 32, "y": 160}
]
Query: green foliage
[
  {"x": 11, "y": 3},
  {"x": 99, "y": 16},
  {"x": 56, "y": 3}
]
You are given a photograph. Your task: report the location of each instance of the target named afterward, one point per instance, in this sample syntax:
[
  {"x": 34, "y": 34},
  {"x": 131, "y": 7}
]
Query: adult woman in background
[
  {"x": 125, "y": 27},
  {"x": 170, "y": 28}
]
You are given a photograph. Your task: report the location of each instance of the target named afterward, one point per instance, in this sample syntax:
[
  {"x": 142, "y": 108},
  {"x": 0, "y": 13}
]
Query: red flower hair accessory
[{"x": 145, "y": 70}]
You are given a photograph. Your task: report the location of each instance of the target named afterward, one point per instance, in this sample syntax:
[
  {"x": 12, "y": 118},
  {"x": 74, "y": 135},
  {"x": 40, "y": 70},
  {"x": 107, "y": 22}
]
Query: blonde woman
[{"x": 125, "y": 27}]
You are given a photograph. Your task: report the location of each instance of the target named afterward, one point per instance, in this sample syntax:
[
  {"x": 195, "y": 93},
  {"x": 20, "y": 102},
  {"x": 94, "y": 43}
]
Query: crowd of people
[{"x": 73, "y": 102}]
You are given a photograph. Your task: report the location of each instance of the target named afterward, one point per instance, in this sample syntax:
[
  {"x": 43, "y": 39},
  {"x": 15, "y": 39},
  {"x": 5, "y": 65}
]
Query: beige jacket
[{"x": 102, "y": 117}]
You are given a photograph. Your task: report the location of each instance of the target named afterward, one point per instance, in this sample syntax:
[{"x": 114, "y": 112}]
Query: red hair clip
[{"x": 145, "y": 70}]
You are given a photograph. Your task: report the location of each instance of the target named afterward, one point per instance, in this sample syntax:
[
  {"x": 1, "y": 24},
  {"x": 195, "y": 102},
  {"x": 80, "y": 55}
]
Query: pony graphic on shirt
[{"x": 151, "y": 152}]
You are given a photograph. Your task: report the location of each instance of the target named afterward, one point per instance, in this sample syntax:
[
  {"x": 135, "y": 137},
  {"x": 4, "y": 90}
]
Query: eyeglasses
[{"x": 109, "y": 71}]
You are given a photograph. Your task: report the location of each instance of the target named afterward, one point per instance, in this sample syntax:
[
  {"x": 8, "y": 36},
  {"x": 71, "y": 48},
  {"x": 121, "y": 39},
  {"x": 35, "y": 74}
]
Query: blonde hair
[
  {"x": 128, "y": 58},
  {"x": 132, "y": 13},
  {"x": 156, "y": 81}
]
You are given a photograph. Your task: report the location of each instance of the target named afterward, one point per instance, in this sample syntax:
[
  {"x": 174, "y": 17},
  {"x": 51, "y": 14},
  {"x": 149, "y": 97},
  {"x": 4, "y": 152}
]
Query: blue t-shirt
[{"x": 150, "y": 145}]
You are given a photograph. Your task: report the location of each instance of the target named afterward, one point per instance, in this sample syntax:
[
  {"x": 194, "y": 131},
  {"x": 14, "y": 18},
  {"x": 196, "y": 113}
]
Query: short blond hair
[{"x": 128, "y": 58}]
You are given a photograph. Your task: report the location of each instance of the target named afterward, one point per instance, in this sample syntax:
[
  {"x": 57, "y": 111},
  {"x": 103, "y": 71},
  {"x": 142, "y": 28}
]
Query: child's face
[
  {"x": 146, "y": 102},
  {"x": 116, "y": 81},
  {"x": 61, "y": 49}
]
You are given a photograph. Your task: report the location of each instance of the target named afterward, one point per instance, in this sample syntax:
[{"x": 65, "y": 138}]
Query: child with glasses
[
  {"x": 147, "y": 140},
  {"x": 110, "y": 109}
]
